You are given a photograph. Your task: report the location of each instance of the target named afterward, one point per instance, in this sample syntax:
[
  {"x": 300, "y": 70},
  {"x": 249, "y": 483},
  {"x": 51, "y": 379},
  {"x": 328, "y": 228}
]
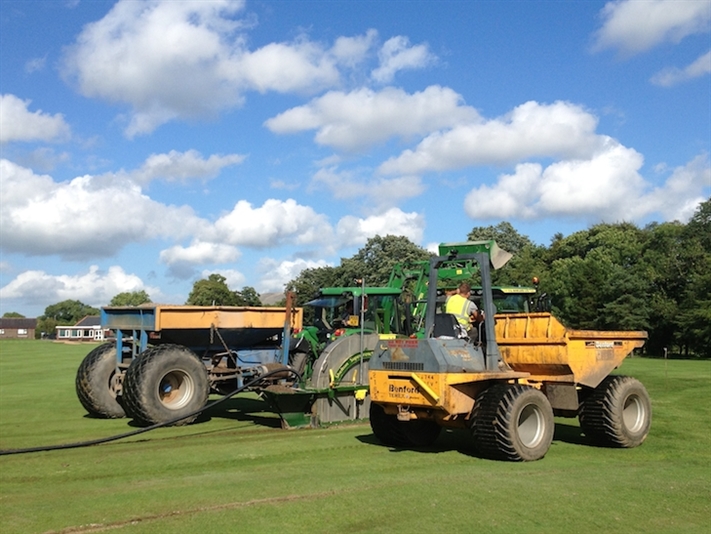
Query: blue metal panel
[{"x": 129, "y": 318}]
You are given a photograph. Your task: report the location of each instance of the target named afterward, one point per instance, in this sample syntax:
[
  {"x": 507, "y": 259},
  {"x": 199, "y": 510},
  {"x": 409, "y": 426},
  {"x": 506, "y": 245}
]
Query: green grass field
[{"x": 234, "y": 471}]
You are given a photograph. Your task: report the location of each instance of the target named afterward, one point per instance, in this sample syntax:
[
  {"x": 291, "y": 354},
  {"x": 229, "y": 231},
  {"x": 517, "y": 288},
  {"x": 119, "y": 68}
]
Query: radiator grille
[{"x": 404, "y": 366}]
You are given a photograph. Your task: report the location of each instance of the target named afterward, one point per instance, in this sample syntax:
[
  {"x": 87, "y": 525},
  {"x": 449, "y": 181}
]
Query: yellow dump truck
[{"x": 507, "y": 386}]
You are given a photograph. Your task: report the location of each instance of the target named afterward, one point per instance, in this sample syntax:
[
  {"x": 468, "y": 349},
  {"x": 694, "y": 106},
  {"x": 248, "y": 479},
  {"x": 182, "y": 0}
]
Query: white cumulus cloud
[
  {"x": 183, "y": 261},
  {"x": 363, "y": 118},
  {"x": 180, "y": 166},
  {"x": 96, "y": 216},
  {"x": 351, "y": 51},
  {"x": 164, "y": 59},
  {"x": 634, "y": 26},
  {"x": 171, "y": 60},
  {"x": 278, "y": 273},
  {"x": 276, "y": 222},
  {"x": 605, "y": 187},
  {"x": 87, "y": 217},
  {"x": 96, "y": 287},
  {"x": 200, "y": 252},
  {"x": 18, "y": 123},
  {"x": 679, "y": 196},
  {"x": 287, "y": 67},
  {"x": 380, "y": 193},
  {"x": 355, "y": 231},
  {"x": 530, "y": 130},
  {"x": 673, "y": 75},
  {"x": 397, "y": 54}
]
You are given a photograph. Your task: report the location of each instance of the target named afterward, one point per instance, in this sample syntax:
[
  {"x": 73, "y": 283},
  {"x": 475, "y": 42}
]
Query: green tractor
[
  {"x": 348, "y": 324},
  {"x": 333, "y": 353}
]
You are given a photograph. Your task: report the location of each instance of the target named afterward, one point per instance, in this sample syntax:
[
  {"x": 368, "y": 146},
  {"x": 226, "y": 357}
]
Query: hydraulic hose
[{"x": 79, "y": 444}]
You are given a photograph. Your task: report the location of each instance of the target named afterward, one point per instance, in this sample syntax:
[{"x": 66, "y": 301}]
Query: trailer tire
[
  {"x": 96, "y": 383},
  {"x": 618, "y": 413},
  {"x": 386, "y": 427},
  {"x": 512, "y": 422},
  {"x": 164, "y": 383}
]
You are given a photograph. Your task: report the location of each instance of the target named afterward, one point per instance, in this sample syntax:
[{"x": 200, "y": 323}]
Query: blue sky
[{"x": 146, "y": 145}]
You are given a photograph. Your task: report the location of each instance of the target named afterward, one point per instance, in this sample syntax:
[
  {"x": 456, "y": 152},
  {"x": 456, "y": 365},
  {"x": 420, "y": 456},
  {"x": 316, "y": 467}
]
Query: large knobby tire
[
  {"x": 386, "y": 427},
  {"x": 512, "y": 422},
  {"x": 618, "y": 413},
  {"x": 97, "y": 382},
  {"x": 165, "y": 383}
]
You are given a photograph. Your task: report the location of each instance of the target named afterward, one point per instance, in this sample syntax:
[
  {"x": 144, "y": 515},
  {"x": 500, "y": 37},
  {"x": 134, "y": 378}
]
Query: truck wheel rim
[
  {"x": 633, "y": 414},
  {"x": 530, "y": 426},
  {"x": 175, "y": 389}
]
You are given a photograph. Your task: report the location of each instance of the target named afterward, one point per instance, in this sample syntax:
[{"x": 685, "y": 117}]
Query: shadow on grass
[
  {"x": 237, "y": 408},
  {"x": 570, "y": 434},
  {"x": 254, "y": 410},
  {"x": 460, "y": 440}
]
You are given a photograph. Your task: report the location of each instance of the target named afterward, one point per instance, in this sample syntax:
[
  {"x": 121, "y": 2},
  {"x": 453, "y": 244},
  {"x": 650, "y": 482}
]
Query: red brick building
[{"x": 17, "y": 328}]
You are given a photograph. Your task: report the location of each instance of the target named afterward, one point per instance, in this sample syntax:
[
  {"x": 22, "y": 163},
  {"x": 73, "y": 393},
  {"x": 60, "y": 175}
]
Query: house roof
[
  {"x": 17, "y": 322},
  {"x": 90, "y": 320}
]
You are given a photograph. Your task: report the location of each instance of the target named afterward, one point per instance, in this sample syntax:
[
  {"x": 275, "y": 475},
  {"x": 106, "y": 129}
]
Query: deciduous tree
[
  {"x": 248, "y": 297},
  {"x": 528, "y": 258},
  {"x": 376, "y": 259},
  {"x": 66, "y": 312},
  {"x": 130, "y": 298},
  {"x": 505, "y": 235},
  {"x": 309, "y": 281},
  {"x": 212, "y": 291},
  {"x": 69, "y": 312}
]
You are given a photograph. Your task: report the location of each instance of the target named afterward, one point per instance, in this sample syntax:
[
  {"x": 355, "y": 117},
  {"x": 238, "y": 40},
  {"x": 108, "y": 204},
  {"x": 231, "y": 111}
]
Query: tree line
[
  {"x": 212, "y": 291},
  {"x": 608, "y": 277}
]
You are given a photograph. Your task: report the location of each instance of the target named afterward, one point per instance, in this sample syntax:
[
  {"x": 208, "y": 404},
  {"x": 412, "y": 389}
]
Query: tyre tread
[
  {"x": 600, "y": 417},
  {"x": 95, "y": 402},
  {"x": 493, "y": 422},
  {"x": 136, "y": 403},
  {"x": 386, "y": 427}
]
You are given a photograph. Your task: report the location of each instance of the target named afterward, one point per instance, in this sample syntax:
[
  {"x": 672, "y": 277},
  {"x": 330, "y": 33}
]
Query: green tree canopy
[
  {"x": 664, "y": 266},
  {"x": 505, "y": 235},
  {"x": 212, "y": 291},
  {"x": 595, "y": 280},
  {"x": 69, "y": 312},
  {"x": 130, "y": 298},
  {"x": 611, "y": 276},
  {"x": 375, "y": 261},
  {"x": 13, "y": 315},
  {"x": 694, "y": 320},
  {"x": 309, "y": 281},
  {"x": 528, "y": 258},
  {"x": 620, "y": 242},
  {"x": 248, "y": 297},
  {"x": 699, "y": 227}
]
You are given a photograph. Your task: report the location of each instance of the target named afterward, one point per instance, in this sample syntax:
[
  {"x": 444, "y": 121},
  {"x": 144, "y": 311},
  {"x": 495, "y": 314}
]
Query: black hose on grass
[{"x": 98, "y": 441}]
